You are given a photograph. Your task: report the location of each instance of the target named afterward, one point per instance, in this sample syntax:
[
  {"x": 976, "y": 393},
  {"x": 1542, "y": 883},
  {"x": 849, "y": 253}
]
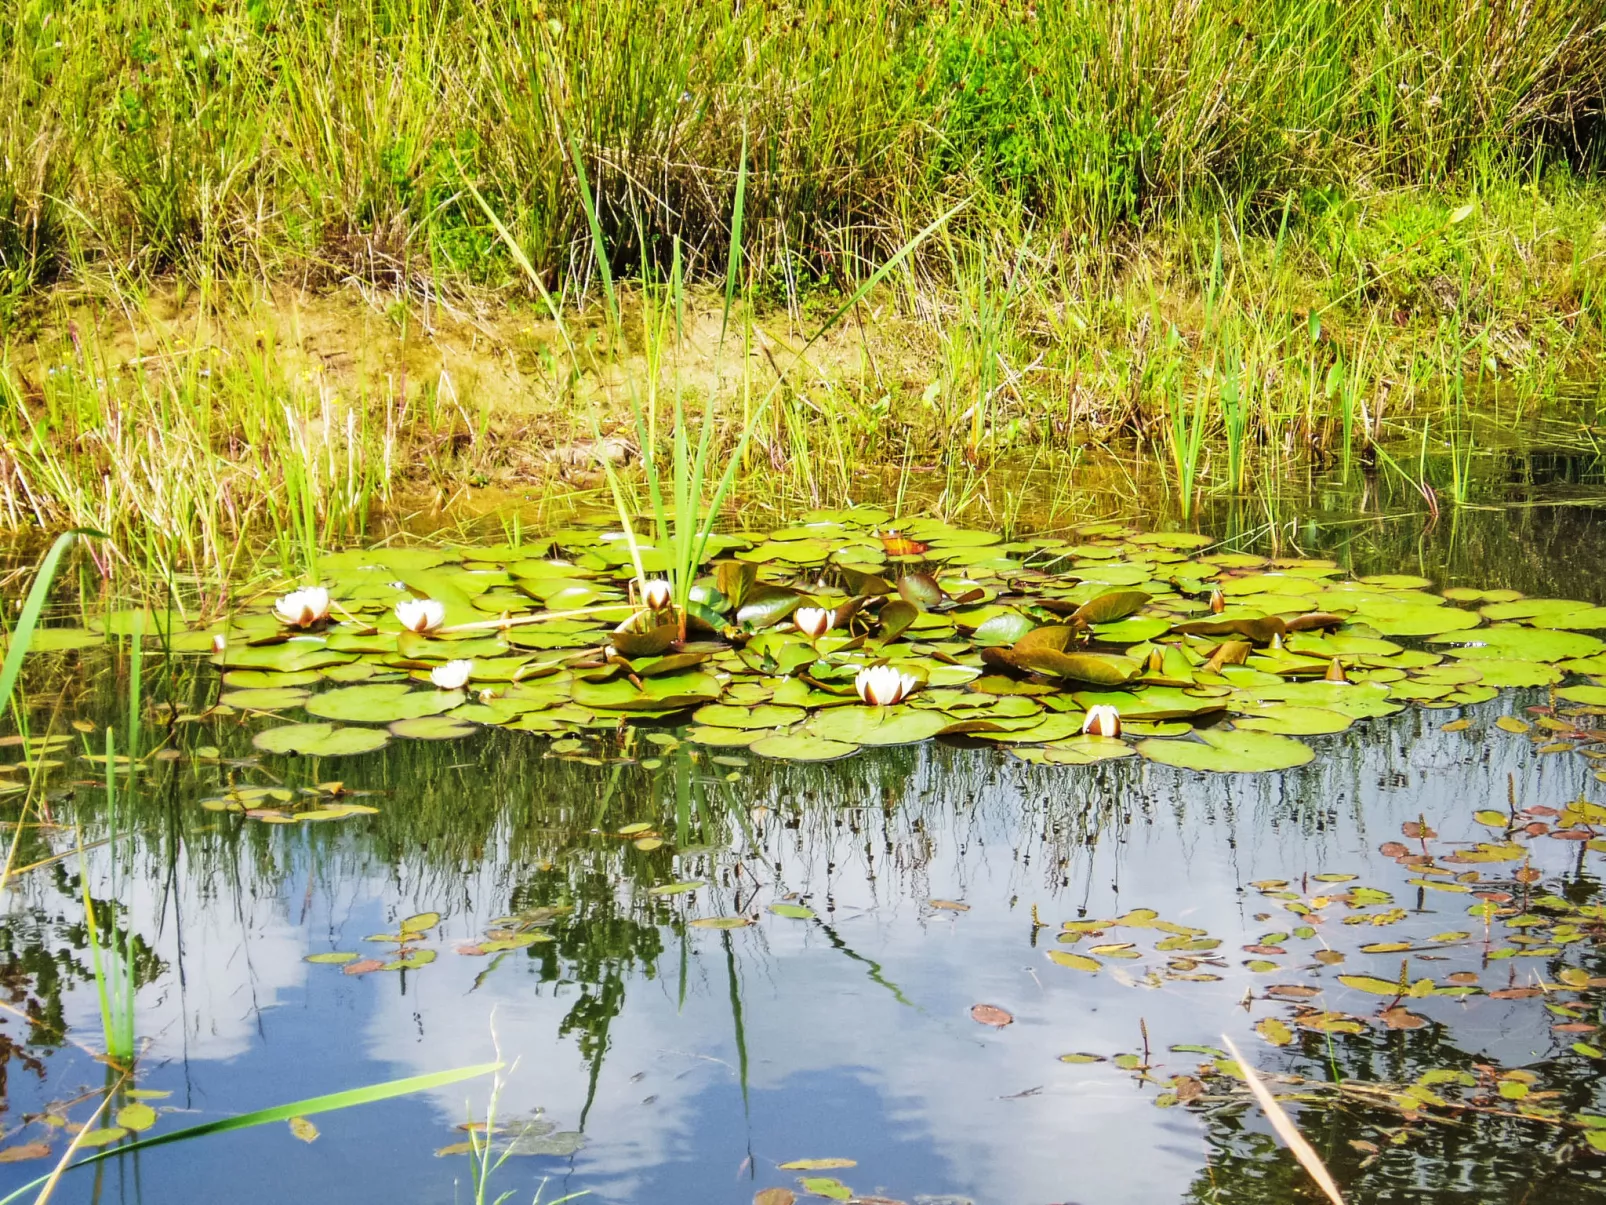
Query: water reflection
[{"x": 695, "y": 1060}]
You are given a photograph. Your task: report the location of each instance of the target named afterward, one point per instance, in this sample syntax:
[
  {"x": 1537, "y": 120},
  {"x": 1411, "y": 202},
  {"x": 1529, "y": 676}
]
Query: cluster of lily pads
[
  {"x": 1334, "y": 942},
  {"x": 848, "y": 630}
]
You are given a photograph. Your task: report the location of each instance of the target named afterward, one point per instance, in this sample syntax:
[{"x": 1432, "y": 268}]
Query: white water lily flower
[
  {"x": 882, "y": 685},
  {"x": 1102, "y": 720},
  {"x": 219, "y": 642},
  {"x": 453, "y": 675},
  {"x": 814, "y": 622},
  {"x": 420, "y": 614},
  {"x": 303, "y": 608},
  {"x": 657, "y": 594}
]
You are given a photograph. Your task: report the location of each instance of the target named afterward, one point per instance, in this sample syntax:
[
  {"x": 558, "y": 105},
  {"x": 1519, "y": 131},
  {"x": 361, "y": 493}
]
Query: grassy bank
[
  {"x": 330, "y": 139},
  {"x": 247, "y": 290}
]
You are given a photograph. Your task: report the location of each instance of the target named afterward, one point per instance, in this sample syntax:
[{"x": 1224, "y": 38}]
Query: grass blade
[
  {"x": 301, "y": 1108},
  {"x": 733, "y": 262},
  {"x": 38, "y": 593}
]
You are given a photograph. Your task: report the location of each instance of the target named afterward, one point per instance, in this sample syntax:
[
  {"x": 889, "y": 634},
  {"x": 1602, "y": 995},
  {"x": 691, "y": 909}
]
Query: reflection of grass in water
[
  {"x": 114, "y": 964},
  {"x": 18, "y": 642}
]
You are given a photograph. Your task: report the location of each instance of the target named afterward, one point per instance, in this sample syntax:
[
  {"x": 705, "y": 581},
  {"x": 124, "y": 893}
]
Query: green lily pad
[
  {"x": 63, "y": 640},
  {"x": 1131, "y": 631},
  {"x": 1529, "y": 608},
  {"x": 137, "y": 1117},
  {"x": 721, "y": 715},
  {"x": 381, "y": 703},
  {"x": 1516, "y": 673},
  {"x": 1515, "y": 642},
  {"x": 1002, "y": 629},
  {"x": 1362, "y": 700},
  {"x": 269, "y": 698},
  {"x": 1292, "y": 720},
  {"x": 288, "y": 656},
  {"x": 433, "y": 728},
  {"x": 1076, "y": 751},
  {"x": 875, "y": 725},
  {"x": 1393, "y": 620},
  {"x": 320, "y": 740},
  {"x": 1229, "y": 752},
  {"x": 668, "y": 692},
  {"x": 802, "y": 747},
  {"x": 727, "y": 738},
  {"x": 793, "y": 911},
  {"x": 1585, "y": 618}
]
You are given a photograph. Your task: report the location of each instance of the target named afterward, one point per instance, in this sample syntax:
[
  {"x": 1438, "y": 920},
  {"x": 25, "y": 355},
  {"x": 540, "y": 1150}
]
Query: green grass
[
  {"x": 1223, "y": 237},
  {"x": 144, "y": 135}
]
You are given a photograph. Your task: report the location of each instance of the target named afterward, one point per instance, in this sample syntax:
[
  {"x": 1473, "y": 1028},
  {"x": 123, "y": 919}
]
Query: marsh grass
[
  {"x": 1226, "y": 236},
  {"x": 338, "y": 139}
]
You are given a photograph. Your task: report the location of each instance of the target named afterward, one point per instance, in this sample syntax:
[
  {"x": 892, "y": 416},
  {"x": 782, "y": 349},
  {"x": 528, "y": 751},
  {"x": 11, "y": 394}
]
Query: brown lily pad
[{"x": 991, "y": 1014}]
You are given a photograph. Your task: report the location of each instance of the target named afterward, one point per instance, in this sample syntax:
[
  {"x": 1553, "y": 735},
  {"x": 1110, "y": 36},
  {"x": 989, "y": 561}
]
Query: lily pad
[
  {"x": 803, "y": 747},
  {"x": 1515, "y": 642},
  {"x": 433, "y": 728},
  {"x": 265, "y": 699},
  {"x": 721, "y": 715},
  {"x": 1229, "y": 752},
  {"x": 381, "y": 703},
  {"x": 320, "y": 740},
  {"x": 1292, "y": 720},
  {"x": 875, "y": 725}
]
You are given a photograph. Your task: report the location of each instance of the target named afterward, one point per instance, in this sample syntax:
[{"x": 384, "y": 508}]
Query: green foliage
[{"x": 167, "y": 133}]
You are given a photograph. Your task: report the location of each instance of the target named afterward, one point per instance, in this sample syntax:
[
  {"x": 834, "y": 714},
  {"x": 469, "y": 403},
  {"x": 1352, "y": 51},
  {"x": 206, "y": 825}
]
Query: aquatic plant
[
  {"x": 1214, "y": 661},
  {"x": 311, "y": 1106}
]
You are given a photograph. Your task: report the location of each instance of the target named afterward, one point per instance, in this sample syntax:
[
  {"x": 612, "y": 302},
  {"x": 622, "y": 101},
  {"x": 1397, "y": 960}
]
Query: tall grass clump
[{"x": 144, "y": 135}]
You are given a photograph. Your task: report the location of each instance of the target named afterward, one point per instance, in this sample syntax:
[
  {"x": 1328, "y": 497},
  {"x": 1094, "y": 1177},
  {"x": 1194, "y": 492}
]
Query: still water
[{"x": 648, "y": 1059}]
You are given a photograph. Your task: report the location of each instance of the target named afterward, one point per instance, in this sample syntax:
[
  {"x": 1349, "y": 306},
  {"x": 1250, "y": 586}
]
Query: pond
[{"x": 884, "y": 957}]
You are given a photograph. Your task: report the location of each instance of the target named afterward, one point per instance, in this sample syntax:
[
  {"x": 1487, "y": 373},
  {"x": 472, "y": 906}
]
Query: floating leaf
[
  {"x": 794, "y": 911},
  {"x": 1077, "y": 962},
  {"x": 802, "y": 747},
  {"x": 1274, "y": 1031},
  {"x": 991, "y": 1014},
  {"x": 823, "y": 1186},
  {"x": 381, "y": 702},
  {"x": 136, "y": 1117},
  {"x": 433, "y": 728},
  {"x": 817, "y": 1165},
  {"x": 1231, "y": 751},
  {"x": 420, "y": 923},
  {"x": 102, "y": 1137},
  {"x": 320, "y": 740}
]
